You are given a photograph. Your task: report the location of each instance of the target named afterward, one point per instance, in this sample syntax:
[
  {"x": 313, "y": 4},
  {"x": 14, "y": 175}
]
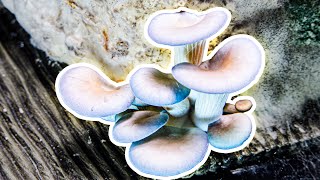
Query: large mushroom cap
[
  {"x": 85, "y": 91},
  {"x": 138, "y": 125},
  {"x": 156, "y": 88},
  {"x": 169, "y": 152},
  {"x": 179, "y": 28},
  {"x": 231, "y": 132},
  {"x": 237, "y": 62}
]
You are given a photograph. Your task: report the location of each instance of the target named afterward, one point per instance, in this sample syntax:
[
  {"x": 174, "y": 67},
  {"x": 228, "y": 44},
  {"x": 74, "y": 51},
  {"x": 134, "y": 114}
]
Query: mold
[{"x": 121, "y": 48}]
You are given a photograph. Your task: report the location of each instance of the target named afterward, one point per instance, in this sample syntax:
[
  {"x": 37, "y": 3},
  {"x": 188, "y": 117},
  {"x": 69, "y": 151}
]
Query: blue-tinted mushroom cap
[
  {"x": 169, "y": 152},
  {"x": 156, "y": 88},
  {"x": 87, "y": 93},
  {"x": 116, "y": 117},
  {"x": 137, "y": 102},
  {"x": 180, "y": 27},
  {"x": 231, "y": 132},
  {"x": 238, "y": 61},
  {"x": 138, "y": 125}
]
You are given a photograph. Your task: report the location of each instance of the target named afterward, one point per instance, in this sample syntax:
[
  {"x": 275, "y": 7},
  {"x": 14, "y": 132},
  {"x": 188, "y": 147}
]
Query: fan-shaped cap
[
  {"x": 231, "y": 132},
  {"x": 184, "y": 26},
  {"x": 138, "y": 125},
  {"x": 237, "y": 62},
  {"x": 87, "y": 93},
  {"x": 169, "y": 152},
  {"x": 156, "y": 88}
]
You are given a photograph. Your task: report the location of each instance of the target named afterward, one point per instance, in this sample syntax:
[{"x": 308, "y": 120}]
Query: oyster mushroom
[
  {"x": 186, "y": 31},
  {"x": 231, "y": 132},
  {"x": 156, "y": 88},
  {"x": 236, "y": 65},
  {"x": 171, "y": 152},
  {"x": 138, "y": 125},
  {"x": 240, "y": 104},
  {"x": 88, "y": 94}
]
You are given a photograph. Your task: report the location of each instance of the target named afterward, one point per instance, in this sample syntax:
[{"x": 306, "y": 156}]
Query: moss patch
[{"x": 304, "y": 19}]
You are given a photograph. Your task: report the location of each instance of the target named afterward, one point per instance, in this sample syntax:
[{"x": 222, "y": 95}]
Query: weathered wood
[{"x": 39, "y": 139}]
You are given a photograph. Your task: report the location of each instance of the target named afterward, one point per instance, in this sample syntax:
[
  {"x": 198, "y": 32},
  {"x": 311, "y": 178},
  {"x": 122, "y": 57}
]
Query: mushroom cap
[
  {"x": 238, "y": 61},
  {"x": 138, "y": 125},
  {"x": 156, "y": 88},
  {"x": 243, "y": 105},
  {"x": 116, "y": 117},
  {"x": 87, "y": 93},
  {"x": 137, "y": 102},
  {"x": 183, "y": 26},
  {"x": 169, "y": 152},
  {"x": 231, "y": 132}
]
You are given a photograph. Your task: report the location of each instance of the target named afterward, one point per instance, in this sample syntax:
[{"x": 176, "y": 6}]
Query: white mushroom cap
[
  {"x": 185, "y": 26},
  {"x": 237, "y": 62},
  {"x": 231, "y": 132},
  {"x": 169, "y": 152},
  {"x": 156, "y": 88},
  {"x": 138, "y": 125},
  {"x": 87, "y": 93}
]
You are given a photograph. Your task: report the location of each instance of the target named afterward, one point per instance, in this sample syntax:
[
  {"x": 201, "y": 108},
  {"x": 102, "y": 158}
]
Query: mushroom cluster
[{"x": 170, "y": 120}]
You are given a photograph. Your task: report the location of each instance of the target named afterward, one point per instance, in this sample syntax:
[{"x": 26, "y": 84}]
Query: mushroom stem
[
  {"x": 179, "y": 109},
  {"x": 181, "y": 122},
  {"x": 191, "y": 53},
  {"x": 208, "y": 108}
]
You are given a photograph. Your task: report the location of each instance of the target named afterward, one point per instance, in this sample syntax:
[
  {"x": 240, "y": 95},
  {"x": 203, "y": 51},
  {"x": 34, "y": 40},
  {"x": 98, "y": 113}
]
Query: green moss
[{"x": 304, "y": 19}]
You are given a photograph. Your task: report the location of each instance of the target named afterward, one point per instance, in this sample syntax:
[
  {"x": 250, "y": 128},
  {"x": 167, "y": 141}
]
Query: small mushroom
[
  {"x": 237, "y": 64},
  {"x": 231, "y": 132},
  {"x": 169, "y": 153},
  {"x": 137, "y": 125},
  {"x": 187, "y": 31},
  {"x": 157, "y": 88},
  {"x": 243, "y": 105},
  {"x": 88, "y": 94}
]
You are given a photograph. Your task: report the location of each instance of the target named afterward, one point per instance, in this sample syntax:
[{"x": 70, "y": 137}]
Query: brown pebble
[{"x": 243, "y": 105}]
